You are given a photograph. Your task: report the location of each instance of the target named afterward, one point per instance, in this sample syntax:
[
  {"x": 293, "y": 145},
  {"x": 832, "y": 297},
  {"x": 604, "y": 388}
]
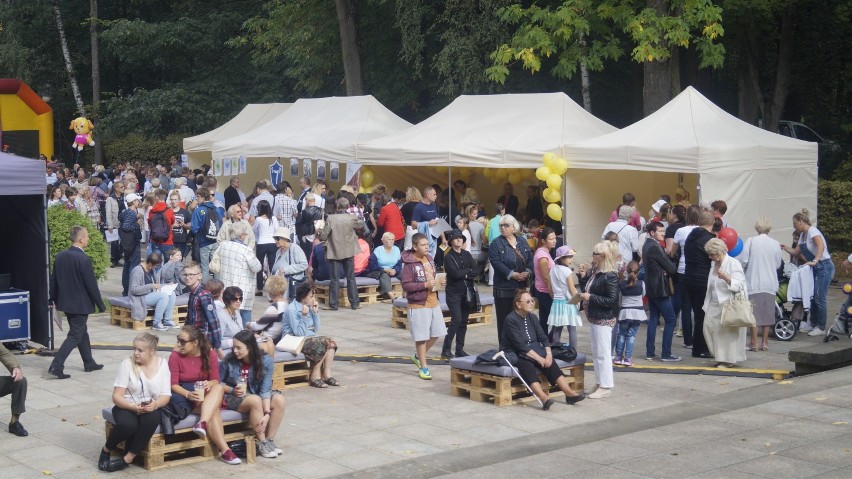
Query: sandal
[
  {"x": 764, "y": 348},
  {"x": 317, "y": 383},
  {"x": 752, "y": 348},
  {"x": 332, "y": 382}
]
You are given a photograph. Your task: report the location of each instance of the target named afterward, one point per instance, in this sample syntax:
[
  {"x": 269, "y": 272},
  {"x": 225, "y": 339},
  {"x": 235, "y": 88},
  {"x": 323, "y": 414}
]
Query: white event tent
[
  {"x": 199, "y": 148},
  {"x": 693, "y": 142},
  {"x": 492, "y": 131}
]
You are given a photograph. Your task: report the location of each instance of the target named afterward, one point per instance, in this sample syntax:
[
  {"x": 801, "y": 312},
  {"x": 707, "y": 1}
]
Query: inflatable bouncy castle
[{"x": 26, "y": 121}]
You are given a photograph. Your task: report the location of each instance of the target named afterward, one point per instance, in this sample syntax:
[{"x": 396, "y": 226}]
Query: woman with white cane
[{"x": 522, "y": 335}]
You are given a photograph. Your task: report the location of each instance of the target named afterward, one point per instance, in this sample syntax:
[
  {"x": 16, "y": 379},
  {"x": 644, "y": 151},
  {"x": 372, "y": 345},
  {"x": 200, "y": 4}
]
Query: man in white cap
[{"x": 290, "y": 263}]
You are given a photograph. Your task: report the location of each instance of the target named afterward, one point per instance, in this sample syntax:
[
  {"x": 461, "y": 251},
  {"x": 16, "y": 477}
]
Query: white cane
[{"x": 500, "y": 354}]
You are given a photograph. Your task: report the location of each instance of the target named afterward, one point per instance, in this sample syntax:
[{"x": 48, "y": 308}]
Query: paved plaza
[{"x": 385, "y": 422}]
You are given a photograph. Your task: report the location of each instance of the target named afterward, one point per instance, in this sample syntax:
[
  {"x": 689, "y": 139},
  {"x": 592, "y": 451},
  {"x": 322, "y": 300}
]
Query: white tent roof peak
[
  {"x": 691, "y": 134},
  {"x": 250, "y": 117},
  {"x": 509, "y": 130},
  {"x": 326, "y": 128}
]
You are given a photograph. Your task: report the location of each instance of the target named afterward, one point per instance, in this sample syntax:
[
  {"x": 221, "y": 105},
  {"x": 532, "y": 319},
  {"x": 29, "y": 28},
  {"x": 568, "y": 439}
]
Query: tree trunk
[
  {"x": 657, "y": 87},
  {"x": 749, "y": 96},
  {"x": 782, "y": 70},
  {"x": 674, "y": 71},
  {"x": 63, "y": 42},
  {"x": 96, "y": 75},
  {"x": 347, "y": 20},
  {"x": 584, "y": 80}
]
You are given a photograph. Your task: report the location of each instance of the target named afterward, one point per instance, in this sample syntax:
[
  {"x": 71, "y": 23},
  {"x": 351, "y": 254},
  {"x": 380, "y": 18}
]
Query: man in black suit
[{"x": 74, "y": 291}]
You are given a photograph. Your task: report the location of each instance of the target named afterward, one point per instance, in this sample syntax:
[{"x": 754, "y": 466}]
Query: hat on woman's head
[
  {"x": 456, "y": 234},
  {"x": 131, "y": 198},
  {"x": 564, "y": 251},
  {"x": 282, "y": 232}
]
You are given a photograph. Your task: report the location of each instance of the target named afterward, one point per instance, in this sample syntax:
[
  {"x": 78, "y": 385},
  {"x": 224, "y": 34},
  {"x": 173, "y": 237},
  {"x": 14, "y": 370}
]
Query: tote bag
[{"x": 737, "y": 312}]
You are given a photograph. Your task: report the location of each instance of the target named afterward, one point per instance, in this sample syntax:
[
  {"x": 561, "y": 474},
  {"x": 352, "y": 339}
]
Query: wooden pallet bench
[
  {"x": 499, "y": 385},
  {"x": 399, "y": 312},
  {"x": 290, "y": 371},
  {"x": 184, "y": 446},
  {"x": 368, "y": 291},
  {"x": 119, "y": 313}
]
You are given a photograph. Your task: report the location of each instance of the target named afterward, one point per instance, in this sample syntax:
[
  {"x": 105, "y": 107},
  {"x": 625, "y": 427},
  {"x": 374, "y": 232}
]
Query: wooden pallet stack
[
  {"x": 399, "y": 317},
  {"x": 290, "y": 374},
  {"x": 367, "y": 294},
  {"x": 119, "y": 315},
  {"x": 504, "y": 390}
]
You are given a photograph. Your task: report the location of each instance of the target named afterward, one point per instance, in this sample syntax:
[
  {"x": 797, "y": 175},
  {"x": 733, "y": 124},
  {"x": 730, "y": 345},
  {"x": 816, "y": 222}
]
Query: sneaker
[
  {"x": 805, "y": 326},
  {"x": 670, "y": 359},
  {"x": 275, "y": 447},
  {"x": 200, "y": 428},
  {"x": 650, "y": 358},
  {"x": 816, "y": 332},
  {"x": 600, "y": 393},
  {"x": 618, "y": 362},
  {"x": 265, "y": 449},
  {"x": 687, "y": 346},
  {"x": 425, "y": 374},
  {"x": 160, "y": 327},
  {"x": 679, "y": 333},
  {"x": 627, "y": 362},
  {"x": 228, "y": 457},
  {"x": 170, "y": 324},
  {"x": 415, "y": 360}
]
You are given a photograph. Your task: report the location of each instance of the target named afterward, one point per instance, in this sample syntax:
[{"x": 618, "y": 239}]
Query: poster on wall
[
  {"x": 242, "y": 165},
  {"x": 351, "y": 171},
  {"x": 334, "y": 174},
  {"x": 235, "y": 166},
  {"x": 294, "y": 167},
  {"x": 321, "y": 170},
  {"x": 184, "y": 161},
  {"x": 226, "y": 167},
  {"x": 217, "y": 167},
  {"x": 306, "y": 168},
  {"x": 276, "y": 173}
]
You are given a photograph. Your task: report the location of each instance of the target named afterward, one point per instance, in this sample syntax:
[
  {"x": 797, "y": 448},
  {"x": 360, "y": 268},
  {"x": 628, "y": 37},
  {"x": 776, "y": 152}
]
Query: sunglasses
[
  {"x": 527, "y": 301},
  {"x": 597, "y": 254},
  {"x": 239, "y": 298},
  {"x": 182, "y": 341}
]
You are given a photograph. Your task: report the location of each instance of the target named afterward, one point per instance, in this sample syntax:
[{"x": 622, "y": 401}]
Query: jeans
[
  {"x": 205, "y": 254},
  {"x": 78, "y": 337},
  {"x": 115, "y": 251},
  {"x": 626, "y": 337},
  {"x": 245, "y": 315},
  {"x": 334, "y": 286},
  {"x": 163, "y": 306},
  {"x": 823, "y": 272},
  {"x": 680, "y": 303},
  {"x": 162, "y": 249},
  {"x": 544, "y": 304},
  {"x": 660, "y": 305},
  {"x": 131, "y": 260},
  {"x": 265, "y": 251}
]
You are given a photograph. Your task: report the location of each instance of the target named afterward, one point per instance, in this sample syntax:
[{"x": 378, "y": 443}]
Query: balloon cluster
[
  {"x": 847, "y": 288},
  {"x": 551, "y": 173},
  {"x": 498, "y": 176},
  {"x": 732, "y": 241}
]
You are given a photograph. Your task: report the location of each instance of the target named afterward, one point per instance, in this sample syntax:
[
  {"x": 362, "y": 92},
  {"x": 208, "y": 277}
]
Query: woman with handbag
[
  {"x": 142, "y": 387},
  {"x": 600, "y": 301},
  {"x": 725, "y": 283},
  {"x": 303, "y": 320},
  {"x": 461, "y": 270},
  {"x": 524, "y": 339},
  {"x": 511, "y": 258}
]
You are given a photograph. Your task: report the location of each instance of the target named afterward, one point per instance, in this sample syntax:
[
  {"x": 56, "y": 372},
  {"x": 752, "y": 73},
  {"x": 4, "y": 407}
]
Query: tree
[
  {"x": 582, "y": 32},
  {"x": 69, "y": 66},
  {"x": 347, "y": 20},
  {"x": 96, "y": 74}
]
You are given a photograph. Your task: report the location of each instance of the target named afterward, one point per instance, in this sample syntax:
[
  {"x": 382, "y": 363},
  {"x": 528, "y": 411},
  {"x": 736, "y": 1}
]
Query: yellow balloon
[
  {"x": 554, "y": 211},
  {"x": 516, "y": 177},
  {"x": 542, "y": 172},
  {"x": 554, "y": 182},
  {"x": 551, "y": 196},
  {"x": 487, "y": 172},
  {"x": 560, "y": 166},
  {"x": 367, "y": 178},
  {"x": 501, "y": 174},
  {"x": 548, "y": 159}
]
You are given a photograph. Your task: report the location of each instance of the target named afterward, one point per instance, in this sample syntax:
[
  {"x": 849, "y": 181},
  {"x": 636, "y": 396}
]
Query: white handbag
[
  {"x": 215, "y": 263},
  {"x": 291, "y": 344},
  {"x": 738, "y": 312}
]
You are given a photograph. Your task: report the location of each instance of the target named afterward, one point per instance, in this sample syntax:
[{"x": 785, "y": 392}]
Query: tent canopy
[
  {"x": 252, "y": 116},
  {"x": 756, "y": 172},
  {"x": 509, "y": 131},
  {"x": 22, "y": 199},
  {"x": 317, "y": 128}
]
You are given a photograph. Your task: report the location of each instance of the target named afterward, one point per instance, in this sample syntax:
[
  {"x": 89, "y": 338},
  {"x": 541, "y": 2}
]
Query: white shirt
[
  {"x": 807, "y": 239},
  {"x": 560, "y": 275},
  {"x": 265, "y": 195},
  {"x": 628, "y": 238},
  {"x": 680, "y": 238},
  {"x": 761, "y": 258},
  {"x": 476, "y": 231},
  {"x": 141, "y": 388},
  {"x": 264, "y": 229}
]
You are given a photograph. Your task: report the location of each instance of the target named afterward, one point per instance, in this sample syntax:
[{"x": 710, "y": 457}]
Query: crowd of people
[{"x": 225, "y": 248}]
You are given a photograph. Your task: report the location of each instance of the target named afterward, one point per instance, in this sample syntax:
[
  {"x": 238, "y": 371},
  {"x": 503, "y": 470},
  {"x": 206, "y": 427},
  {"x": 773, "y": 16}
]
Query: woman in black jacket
[
  {"x": 511, "y": 258},
  {"x": 461, "y": 269},
  {"x": 600, "y": 298},
  {"x": 526, "y": 341},
  {"x": 658, "y": 269}
]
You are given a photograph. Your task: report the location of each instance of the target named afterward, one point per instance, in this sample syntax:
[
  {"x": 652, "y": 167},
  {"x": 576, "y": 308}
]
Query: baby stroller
[
  {"x": 787, "y": 321},
  {"x": 842, "y": 323}
]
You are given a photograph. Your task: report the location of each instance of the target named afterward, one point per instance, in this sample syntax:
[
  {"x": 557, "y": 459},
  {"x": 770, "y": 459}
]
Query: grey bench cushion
[
  {"x": 467, "y": 363},
  {"x": 280, "y": 356},
  {"x": 189, "y": 421},
  {"x": 484, "y": 299},
  {"x": 326, "y": 282}
]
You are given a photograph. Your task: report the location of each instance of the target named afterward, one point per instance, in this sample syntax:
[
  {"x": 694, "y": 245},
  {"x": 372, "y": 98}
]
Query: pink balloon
[{"x": 729, "y": 237}]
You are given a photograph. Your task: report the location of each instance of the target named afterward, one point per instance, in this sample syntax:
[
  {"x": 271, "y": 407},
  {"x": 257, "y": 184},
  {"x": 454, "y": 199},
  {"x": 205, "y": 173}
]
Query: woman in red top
[
  {"x": 390, "y": 218},
  {"x": 192, "y": 361}
]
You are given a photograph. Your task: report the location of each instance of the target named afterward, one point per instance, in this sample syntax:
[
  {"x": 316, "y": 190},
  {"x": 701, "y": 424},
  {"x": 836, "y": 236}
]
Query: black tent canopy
[{"x": 24, "y": 241}]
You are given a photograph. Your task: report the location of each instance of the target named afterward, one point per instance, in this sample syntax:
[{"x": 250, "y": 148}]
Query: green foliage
[
  {"x": 59, "y": 223},
  {"x": 135, "y": 147},
  {"x": 835, "y": 203}
]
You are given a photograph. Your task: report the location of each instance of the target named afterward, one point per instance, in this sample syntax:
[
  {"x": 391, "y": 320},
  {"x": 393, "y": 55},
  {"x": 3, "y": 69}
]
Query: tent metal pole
[{"x": 50, "y": 330}]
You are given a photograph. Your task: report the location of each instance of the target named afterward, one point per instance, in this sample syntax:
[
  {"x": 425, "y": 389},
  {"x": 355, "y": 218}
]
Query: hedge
[
  {"x": 59, "y": 223},
  {"x": 135, "y": 147},
  {"x": 835, "y": 209}
]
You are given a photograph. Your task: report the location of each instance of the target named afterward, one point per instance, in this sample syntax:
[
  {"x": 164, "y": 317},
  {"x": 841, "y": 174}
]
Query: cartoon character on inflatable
[{"x": 83, "y": 128}]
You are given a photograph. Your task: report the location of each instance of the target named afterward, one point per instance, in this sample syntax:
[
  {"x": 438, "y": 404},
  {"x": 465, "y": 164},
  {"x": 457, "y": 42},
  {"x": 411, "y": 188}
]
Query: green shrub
[
  {"x": 59, "y": 223},
  {"x": 135, "y": 147},
  {"x": 835, "y": 204}
]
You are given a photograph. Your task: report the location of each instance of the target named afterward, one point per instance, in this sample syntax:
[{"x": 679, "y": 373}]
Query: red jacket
[
  {"x": 170, "y": 219},
  {"x": 390, "y": 218}
]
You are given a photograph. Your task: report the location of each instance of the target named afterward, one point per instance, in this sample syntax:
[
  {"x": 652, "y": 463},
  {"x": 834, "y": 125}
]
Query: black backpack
[
  {"x": 210, "y": 228},
  {"x": 159, "y": 227}
]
